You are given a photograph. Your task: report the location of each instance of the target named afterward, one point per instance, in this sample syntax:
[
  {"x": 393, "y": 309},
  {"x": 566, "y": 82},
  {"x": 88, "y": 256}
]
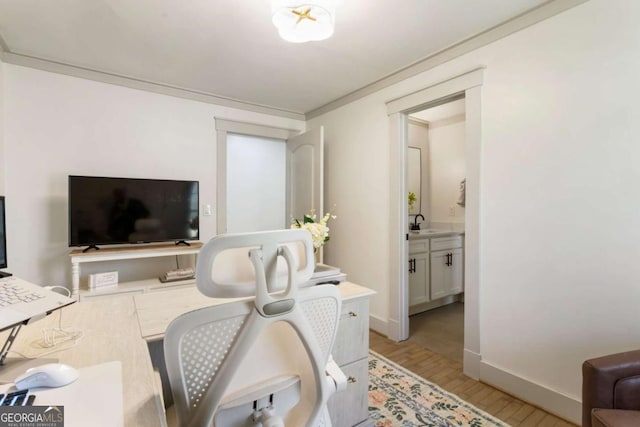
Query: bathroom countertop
[{"x": 433, "y": 232}]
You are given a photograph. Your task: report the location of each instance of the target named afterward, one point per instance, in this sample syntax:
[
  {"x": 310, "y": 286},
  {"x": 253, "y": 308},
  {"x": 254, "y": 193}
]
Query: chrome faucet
[{"x": 415, "y": 225}]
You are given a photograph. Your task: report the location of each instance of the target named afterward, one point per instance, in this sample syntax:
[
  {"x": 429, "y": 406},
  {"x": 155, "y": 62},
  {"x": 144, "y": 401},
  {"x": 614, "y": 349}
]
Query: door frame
[
  {"x": 223, "y": 127},
  {"x": 469, "y": 85}
]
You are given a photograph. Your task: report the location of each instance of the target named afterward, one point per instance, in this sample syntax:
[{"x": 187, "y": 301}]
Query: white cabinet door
[
  {"x": 446, "y": 273},
  {"x": 418, "y": 279},
  {"x": 456, "y": 280}
]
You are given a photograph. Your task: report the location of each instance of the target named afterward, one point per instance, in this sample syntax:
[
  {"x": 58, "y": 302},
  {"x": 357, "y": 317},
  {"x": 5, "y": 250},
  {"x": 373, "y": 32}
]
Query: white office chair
[{"x": 265, "y": 358}]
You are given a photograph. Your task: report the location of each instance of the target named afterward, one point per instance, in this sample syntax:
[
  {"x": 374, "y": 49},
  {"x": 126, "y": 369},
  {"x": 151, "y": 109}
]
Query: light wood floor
[{"x": 447, "y": 373}]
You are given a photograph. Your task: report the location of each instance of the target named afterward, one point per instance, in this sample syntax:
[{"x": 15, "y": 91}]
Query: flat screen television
[
  {"x": 106, "y": 211},
  {"x": 3, "y": 237}
]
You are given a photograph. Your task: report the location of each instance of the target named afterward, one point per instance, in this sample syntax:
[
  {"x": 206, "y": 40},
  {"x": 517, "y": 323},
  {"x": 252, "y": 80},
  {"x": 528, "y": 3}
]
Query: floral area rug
[{"x": 398, "y": 397}]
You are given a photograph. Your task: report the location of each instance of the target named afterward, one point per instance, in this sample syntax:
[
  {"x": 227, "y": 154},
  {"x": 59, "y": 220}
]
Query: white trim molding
[
  {"x": 560, "y": 404},
  {"x": 398, "y": 326},
  {"x": 254, "y": 129},
  {"x": 520, "y": 22},
  {"x": 468, "y": 85},
  {"x": 378, "y": 324},
  {"x": 140, "y": 84},
  {"x": 471, "y": 362},
  {"x": 450, "y": 90}
]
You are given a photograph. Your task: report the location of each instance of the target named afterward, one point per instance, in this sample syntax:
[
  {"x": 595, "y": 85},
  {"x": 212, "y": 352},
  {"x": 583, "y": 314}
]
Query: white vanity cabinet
[
  {"x": 446, "y": 266},
  {"x": 436, "y": 270},
  {"x": 419, "y": 272}
]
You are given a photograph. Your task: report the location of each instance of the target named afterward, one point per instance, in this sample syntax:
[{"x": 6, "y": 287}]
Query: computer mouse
[{"x": 49, "y": 375}]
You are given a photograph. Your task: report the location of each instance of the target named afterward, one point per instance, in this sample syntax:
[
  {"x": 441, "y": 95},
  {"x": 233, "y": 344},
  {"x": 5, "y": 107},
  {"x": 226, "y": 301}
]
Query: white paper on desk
[{"x": 94, "y": 399}]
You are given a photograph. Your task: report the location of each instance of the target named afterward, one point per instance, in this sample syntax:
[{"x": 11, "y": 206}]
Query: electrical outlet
[{"x": 452, "y": 211}]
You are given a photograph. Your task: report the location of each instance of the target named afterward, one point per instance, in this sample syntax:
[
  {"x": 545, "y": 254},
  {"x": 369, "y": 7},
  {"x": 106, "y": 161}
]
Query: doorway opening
[
  {"x": 436, "y": 173},
  {"x": 469, "y": 86},
  {"x": 266, "y": 176}
]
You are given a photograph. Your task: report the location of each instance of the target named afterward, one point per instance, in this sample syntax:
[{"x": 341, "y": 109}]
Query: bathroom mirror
[{"x": 414, "y": 177}]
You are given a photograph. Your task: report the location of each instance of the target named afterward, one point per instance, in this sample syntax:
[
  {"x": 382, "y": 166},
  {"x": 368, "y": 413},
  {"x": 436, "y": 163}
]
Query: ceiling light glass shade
[{"x": 302, "y": 21}]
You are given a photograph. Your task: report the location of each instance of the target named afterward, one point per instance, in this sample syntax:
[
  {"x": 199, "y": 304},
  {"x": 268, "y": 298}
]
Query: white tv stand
[{"x": 79, "y": 257}]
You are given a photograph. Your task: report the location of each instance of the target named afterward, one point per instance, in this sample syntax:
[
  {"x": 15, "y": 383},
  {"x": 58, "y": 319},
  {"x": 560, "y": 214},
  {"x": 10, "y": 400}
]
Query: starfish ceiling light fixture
[{"x": 302, "y": 21}]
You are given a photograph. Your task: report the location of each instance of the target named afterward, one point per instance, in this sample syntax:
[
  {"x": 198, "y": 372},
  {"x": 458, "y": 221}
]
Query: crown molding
[
  {"x": 135, "y": 83},
  {"x": 542, "y": 12},
  {"x": 520, "y": 22}
]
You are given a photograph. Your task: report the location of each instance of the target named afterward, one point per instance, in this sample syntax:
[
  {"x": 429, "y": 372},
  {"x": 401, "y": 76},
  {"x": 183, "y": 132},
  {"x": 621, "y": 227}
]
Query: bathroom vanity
[{"x": 436, "y": 268}]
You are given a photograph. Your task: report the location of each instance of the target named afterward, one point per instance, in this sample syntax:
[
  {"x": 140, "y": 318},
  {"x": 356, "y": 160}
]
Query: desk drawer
[
  {"x": 352, "y": 340},
  {"x": 350, "y": 407}
]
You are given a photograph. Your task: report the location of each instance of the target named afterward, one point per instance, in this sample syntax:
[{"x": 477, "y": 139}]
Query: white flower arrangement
[{"x": 319, "y": 230}]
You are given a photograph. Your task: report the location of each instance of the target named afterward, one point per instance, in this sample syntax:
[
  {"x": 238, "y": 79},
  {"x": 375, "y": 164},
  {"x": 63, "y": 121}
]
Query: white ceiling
[{"x": 230, "y": 48}]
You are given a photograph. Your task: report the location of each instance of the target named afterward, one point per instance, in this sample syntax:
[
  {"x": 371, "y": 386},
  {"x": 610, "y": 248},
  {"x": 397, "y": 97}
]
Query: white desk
[
  {"x": 105, "y": 409},
  {"x": 156, "y": 310},
  {"x": 110, "y": 333},
  {"x": 118, "y": 328}
]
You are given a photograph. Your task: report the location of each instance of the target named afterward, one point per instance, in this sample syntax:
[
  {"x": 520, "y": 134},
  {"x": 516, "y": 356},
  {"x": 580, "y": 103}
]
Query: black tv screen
[
  {"x": 104, "y": 211},
  {"x": 3, "y": 236}
]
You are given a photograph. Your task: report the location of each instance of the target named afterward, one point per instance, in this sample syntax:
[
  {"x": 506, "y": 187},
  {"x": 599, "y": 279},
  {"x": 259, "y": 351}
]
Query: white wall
[
  {"x": 446, "y": 169},
  {"x": 559, "y": 227},
  {"x": 57, "y": 125}
]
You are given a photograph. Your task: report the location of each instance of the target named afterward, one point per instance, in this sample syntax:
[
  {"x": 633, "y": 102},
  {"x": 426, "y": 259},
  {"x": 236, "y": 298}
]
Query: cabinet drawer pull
[
  {"x": 351, "y": 379},
  {"x": 353, "y": 314}
]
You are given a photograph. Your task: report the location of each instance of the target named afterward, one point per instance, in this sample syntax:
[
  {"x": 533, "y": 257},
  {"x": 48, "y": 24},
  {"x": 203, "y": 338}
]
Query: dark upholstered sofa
[{"x": 611, "y": 390}]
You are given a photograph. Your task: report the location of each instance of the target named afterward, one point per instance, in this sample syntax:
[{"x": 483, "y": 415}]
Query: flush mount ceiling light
[{"x": 302, "y": 21}]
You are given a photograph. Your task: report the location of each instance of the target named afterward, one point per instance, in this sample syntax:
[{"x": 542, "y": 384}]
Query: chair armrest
[
  {"x": 337, "y": 377},
  {"x": 599, "y": 379}
]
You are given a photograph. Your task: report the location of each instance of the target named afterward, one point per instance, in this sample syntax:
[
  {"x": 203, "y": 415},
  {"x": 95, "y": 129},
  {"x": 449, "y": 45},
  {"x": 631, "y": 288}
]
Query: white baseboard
[
  {"x": 552, "y": 401},
  {"x": 378, "y": 325},
  {"x": 471, "y": 364}
]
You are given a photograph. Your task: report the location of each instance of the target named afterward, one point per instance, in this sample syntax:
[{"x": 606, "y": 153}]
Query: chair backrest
[{"x": 228, "y": 355}]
